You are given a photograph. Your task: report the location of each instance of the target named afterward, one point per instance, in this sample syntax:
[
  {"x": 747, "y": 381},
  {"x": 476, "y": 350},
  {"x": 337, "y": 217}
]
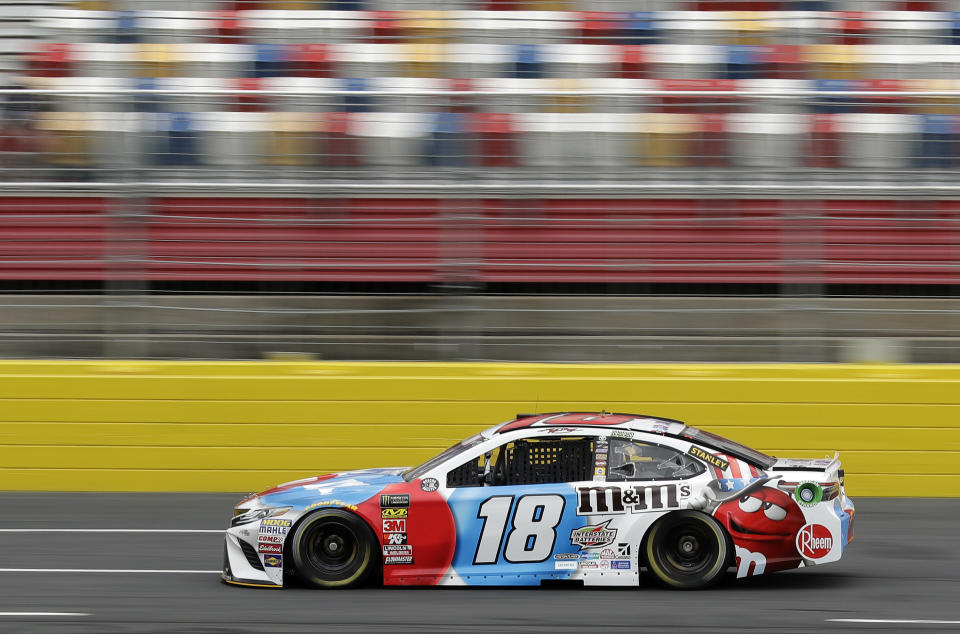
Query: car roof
[{"x": 631, "y": 422}]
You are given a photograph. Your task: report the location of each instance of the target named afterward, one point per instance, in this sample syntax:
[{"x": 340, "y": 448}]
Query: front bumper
[{"x": 244, "y": 565}]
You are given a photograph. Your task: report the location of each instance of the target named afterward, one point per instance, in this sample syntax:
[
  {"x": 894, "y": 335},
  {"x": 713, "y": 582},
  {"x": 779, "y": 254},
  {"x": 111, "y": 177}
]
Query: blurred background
[{"x": 618, "y": 180}]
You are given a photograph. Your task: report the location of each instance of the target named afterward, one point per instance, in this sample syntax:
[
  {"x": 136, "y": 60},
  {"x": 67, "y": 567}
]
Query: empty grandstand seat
[
  {"x": 127, "y": 27},
  {"x": 641, "y": 27},
  {"x": 339, "y": 146},
  {"x": 601, "y": 27},
  {"x": 358, "y": 101},
  {"x": 580, "y": 60},
  {"x": 291, "y": 139},
  {"x": 528, "y": 63},
  {"x": 176, "y": 143},
  {"x": 101, "y": 59},
  {"x": 73, "y": 25},
  {"x": 472, "y": 60},
  {"x": 667, "y": 139},
  {"x": 66, "y": 137},
  {"x": 311, "y": 60},
  {"x": 712, "y": 143},
  {"x": 391, "y": 139},
  {"x": 573, "y": 139},
  {"x": 422, "y": 59},
  {"x": 226, "y": 27},
  {"x": 744, "y": 62},
  {"x": 495, "y": 138},
  {"x": 910, "y": 27},
  {"x": 446, "y": 141},
  {"x": 877, "y": 141},
  {"x": 686, "y": 61},
  {"x": 51, "y": 59},
  {"x": 270, "y": 60},
  {"x": 303, "y": 27},
  {"x": 937, "y": 145},
  {"x": 365, "y": 59},
  {"x": 204, "y": 59},
  {"x": 767, "y": 139},
  {"x": 174, "y": 26},
  {"x": 823, "y": 144},
  {"x": 634, "y": 62},
  {"x": 835, "y": 61},
  {"x": 840, "y": 103},
  {"x": 398, "y": 97},
  {"x": 158, "y": 59},
  {"x": 233, "y": 139}
]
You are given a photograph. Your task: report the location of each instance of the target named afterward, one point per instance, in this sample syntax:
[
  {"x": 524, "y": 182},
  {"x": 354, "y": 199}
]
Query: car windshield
[
  {"x": 416, "y": 472},
  {"x": 728, "y": 446}
]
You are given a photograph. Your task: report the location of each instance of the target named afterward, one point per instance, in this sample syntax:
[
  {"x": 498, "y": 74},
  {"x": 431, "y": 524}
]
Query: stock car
[{"x": 587, "y": 498}]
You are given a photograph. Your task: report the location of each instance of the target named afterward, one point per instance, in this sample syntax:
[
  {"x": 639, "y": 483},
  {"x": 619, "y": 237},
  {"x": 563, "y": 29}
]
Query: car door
[{"x": 514, "y": 507}]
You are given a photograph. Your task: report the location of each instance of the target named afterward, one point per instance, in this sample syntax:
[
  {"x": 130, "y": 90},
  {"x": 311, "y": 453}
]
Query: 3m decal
[
  {"x": 396, "y": 539},
  {"x": 392, "y": 560},
  {"x": 276, "y": 549},
  {"x": 273, "y": 561},
  {"x": 620, "y": 565},
  {"x": 275, "y": 522},
  {"x": 598, "y": 500},
  {"x": 393, "y": 513},
  {"x": 814, "y": 541},
  {"x": 429, "y": 484},
  {"x": 399, "y": 500},
  {"x": 393, "y": 549},
  {"x": 593, "y": 536},
  {"x": 709, "y": 458},
  {"x": 394, "y": 526},
  {"x": 808, "y": 494},
  {"x": 533, "y": 528}
]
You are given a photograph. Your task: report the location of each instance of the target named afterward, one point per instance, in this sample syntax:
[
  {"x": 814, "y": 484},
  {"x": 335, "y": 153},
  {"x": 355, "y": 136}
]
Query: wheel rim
[
  {"x": 331, "y": 547},
  {"x": 687, "y": 549}
]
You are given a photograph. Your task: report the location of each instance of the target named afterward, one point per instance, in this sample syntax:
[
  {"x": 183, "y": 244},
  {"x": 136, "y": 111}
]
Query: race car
[{"x": 584, "y": 498}]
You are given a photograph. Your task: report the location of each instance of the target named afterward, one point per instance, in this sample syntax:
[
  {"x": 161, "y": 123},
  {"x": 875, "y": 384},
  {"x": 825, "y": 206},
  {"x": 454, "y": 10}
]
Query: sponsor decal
[
  {"x": 394, "y": 526},
  {"x": 601, "y": 463},
  {"x": 395, "y": 501},
  {"x": 392, "y": 560},
  {"x": 660, "y": 428},
  {"x": 620, "y": 565},
  {"x": 273, "y": 530},
  {"x": 808, "y": 494},
  {"x": 564, "y": 565},
  {"x": 397, "y": 549},
  {"x": 332, "y": 503},
  {"x": 589, "y": 564},
  {"x": 709, "y": 458},
  {"x": 393, "y": 513},
  {"x": 623, "y": 550},
  {"x": 273, "y": 561},
  {"x": 567, "y": 556},
  {"x": 604, "y": 564},
  {"x": 561, "y": 430},
  {"x": 747, "y": 559},
  {"x": 429, "y": 484},
  {"x": 814, "y": 541},
  {"x": 593, "y": 500},
  {"x": 275, "y": 522},
  {"x": 593, "y": 536},
  {"x": 621, "y": 433},
  {"x": 607, "y": 553},
  {"x": 270, "y": 539},
  {"x": 271, "y": 548},
  {"x": 396, "y": 538},
  {"x": 600, "y": 470}
]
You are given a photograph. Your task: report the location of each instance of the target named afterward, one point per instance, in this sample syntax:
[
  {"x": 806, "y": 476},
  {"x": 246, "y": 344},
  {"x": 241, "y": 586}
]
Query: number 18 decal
[{"x": 532, "y": 533}]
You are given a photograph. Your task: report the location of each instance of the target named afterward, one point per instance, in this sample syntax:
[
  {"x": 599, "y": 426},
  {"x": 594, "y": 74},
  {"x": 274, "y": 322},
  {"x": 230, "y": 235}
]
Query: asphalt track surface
[{"x": 904, "y": 565}]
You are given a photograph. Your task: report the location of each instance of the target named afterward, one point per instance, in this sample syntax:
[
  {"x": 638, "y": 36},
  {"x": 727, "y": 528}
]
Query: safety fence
[{"x": 151, "y": 426}]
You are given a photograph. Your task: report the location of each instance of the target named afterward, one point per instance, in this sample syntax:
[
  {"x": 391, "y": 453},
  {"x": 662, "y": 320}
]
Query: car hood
[{"x": 342, "y": 489}]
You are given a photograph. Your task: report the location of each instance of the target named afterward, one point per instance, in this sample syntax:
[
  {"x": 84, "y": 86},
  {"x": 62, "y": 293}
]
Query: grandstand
[{"x": 615, "y": 180}]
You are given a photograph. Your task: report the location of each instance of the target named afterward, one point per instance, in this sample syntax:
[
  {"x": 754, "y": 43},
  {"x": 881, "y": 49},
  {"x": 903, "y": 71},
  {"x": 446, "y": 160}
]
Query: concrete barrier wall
[{"x": 243, "y": 426}]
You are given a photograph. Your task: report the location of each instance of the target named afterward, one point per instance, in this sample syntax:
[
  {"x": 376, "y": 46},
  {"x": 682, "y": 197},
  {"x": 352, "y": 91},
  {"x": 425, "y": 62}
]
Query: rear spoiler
[{"x": 823, "y": 465}]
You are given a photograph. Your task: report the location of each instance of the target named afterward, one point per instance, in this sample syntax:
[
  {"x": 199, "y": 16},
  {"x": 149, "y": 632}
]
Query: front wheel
[
  {"x": 687, "y": 550},
  {"x": 333, "y": 549}
]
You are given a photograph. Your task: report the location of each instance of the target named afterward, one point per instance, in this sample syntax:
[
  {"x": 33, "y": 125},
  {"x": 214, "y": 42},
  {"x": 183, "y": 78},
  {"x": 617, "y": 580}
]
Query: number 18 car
[{"x": 586, "y": 498}]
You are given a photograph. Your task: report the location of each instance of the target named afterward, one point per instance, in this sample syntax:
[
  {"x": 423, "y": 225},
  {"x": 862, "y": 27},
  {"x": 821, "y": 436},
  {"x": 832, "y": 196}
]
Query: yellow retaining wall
[{"x": 243, "y": 426}]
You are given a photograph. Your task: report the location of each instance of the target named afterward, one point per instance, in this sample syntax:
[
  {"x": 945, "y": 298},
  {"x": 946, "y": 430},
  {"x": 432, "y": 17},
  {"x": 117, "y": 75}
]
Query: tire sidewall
[
  {"x": 367, "y": 553},
  {"x": 722, "y": 547}
]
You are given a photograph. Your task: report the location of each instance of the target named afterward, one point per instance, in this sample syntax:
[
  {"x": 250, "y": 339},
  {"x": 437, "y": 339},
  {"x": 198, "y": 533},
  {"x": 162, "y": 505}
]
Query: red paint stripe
[{"x": 734, "y": 467}]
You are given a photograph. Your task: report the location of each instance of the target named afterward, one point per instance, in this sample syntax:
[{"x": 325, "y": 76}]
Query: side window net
[{"x": 528, "y": 461}]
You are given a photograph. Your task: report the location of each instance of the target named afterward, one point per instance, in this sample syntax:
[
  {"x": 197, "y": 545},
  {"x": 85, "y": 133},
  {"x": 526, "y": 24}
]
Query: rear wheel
[
  {"x": 333, "y": 549},
  {"x": 687, "y": 550}
]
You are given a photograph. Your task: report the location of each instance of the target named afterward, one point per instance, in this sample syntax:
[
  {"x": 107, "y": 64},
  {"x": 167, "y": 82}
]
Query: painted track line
[
  {"x": 45, "y": 614},
  {"x": 111, "y": 530},
  {"x": 896, "y": 621},
  {"x": 114, "y": 570}
]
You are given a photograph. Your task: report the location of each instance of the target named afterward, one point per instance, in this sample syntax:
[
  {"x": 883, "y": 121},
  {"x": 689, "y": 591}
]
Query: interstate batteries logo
[{"x": 593, "y": 536}]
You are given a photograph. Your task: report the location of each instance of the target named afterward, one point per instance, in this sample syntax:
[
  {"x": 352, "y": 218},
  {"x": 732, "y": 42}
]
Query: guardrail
[{"x": 235, "y": 426}]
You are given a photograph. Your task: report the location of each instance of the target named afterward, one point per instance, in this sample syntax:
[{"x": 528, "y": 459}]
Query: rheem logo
[{"x": 814, "y": 541}]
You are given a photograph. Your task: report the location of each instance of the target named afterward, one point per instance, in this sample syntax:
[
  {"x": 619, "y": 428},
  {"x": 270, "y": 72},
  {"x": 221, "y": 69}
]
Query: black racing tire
[
  {"x": 333, "y": 549},
  {"x": 687, "y": 550}
]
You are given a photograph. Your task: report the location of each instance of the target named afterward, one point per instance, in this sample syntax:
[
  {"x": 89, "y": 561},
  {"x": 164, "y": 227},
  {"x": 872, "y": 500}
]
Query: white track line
[
  {"x": 45, "y": 614},
  {"x": 110, "y": 530},
  {"x": 901, "y": 621},
  {"x": 112, "y": 570}
]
